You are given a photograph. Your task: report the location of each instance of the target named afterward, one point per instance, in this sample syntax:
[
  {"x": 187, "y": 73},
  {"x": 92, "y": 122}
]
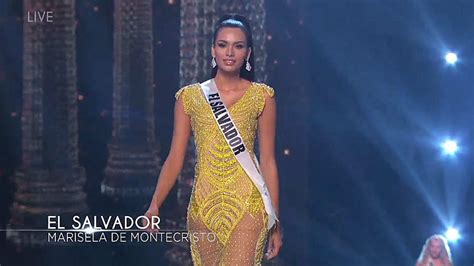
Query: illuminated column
[
  {"x": 50, "y": 180},
  {"x": 133, "y": 164}
]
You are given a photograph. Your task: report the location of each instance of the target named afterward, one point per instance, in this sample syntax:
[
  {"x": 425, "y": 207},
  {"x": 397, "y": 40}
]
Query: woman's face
[
  {"x": 230, "y": 49},
  {"x": 435, "y": 248}
]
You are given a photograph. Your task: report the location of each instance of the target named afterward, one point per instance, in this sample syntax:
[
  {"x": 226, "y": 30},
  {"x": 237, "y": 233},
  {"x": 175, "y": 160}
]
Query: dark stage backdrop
[{"x": 364, "y": 97}]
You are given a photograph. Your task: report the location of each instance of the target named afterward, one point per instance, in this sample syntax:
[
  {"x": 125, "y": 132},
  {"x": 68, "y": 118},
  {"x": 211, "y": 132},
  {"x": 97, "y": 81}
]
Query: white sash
[{"x": 236, "y": 143}]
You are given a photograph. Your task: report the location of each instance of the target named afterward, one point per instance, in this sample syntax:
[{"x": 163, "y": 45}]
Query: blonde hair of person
[{"x": 445, "y": 255}]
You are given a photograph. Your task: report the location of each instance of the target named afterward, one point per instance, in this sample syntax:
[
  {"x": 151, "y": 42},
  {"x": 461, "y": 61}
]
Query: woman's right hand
[{"x": 149, "y": 214}]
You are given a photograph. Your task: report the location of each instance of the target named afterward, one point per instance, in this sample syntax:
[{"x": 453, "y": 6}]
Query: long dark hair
[{"x": 241, "y": 22}]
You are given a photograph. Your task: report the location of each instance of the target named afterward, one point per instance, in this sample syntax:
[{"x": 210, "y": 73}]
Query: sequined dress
[{"x": 224, "y": 200}]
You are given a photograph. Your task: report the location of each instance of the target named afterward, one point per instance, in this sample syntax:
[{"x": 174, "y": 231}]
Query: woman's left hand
[{"x": 275, "y": 241}]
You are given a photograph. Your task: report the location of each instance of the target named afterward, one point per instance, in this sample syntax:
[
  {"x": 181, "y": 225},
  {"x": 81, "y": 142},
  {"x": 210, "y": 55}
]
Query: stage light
[
  {"x": 452, "y": 234},
  {"x": 451, "y": 58},
  {"x": 450, "y": 147}
]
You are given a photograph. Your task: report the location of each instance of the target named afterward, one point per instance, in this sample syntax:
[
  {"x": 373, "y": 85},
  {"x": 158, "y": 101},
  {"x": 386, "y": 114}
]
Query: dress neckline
[{"x": 241, "y": 98}]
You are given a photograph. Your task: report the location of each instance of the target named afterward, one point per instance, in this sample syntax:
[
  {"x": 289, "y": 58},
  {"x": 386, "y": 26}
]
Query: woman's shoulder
[
  {"x": 190, "y": 88},
  {"x": 265, "y": 88}
]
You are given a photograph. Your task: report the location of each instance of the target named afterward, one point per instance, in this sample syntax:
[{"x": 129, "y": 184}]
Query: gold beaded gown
[{"x": 224, "y": 201}]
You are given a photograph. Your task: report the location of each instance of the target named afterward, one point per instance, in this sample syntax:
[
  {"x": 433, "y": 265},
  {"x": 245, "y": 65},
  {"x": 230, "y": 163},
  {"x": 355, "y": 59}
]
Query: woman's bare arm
[
  {"x": 174, "y": 162},
  {"x": 266, "y": 133}
]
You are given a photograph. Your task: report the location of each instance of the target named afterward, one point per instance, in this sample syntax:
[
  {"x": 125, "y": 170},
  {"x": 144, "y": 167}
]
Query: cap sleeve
[
  {"x": 269, "y": 90},
  {"x": 265, "y": 90},
  {"x": 178, "y": 93},
  {"x": 184, "y": 97}
]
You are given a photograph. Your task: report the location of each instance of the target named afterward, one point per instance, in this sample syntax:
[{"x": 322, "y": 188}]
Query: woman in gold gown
[{"x": 224, "y": 200}]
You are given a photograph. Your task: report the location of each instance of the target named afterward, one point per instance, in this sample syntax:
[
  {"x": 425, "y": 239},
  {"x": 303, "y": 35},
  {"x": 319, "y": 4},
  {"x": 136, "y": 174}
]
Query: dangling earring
[
  {"x": 248, "y": 66},
  {"x": 213, "y": 62}
]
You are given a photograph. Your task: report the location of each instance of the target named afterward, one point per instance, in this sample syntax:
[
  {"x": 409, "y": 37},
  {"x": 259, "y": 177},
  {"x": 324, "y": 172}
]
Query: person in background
[{"x": 435, "y": 252}]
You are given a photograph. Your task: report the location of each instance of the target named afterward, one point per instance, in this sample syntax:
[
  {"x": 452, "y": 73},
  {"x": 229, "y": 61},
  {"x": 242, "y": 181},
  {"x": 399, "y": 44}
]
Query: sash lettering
[{"x": 225, "y": 123}]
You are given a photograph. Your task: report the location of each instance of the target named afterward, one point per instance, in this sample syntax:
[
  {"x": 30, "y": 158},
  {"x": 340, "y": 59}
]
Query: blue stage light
[
  {"x": 450, "y": 147},
  {"x": 451, "y": 58},
  {"x": 452, "y": 234}
]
